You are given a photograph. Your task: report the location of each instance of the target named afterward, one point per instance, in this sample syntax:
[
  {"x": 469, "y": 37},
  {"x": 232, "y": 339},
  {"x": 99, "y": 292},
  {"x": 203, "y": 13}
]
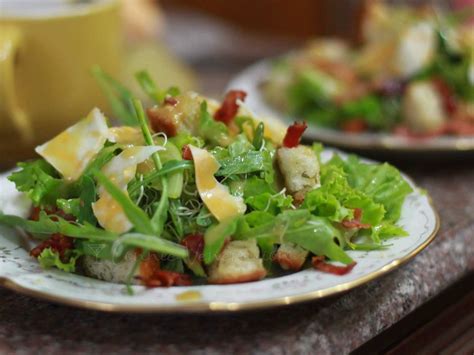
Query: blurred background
[
  {"x": 216, "y": 39},
  {"x": 194, "y": 44}
]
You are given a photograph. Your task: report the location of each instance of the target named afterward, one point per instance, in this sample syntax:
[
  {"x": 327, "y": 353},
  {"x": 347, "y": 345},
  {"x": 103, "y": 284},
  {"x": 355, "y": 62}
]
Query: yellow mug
[{"x": 47, "y": 49}]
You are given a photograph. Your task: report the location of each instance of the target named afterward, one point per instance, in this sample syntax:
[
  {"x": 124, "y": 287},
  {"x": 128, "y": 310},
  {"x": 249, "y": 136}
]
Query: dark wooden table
[{"x": 337, "y": 325}]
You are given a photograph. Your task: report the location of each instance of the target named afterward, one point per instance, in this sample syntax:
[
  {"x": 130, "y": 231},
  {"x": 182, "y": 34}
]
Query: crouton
[
  {"x": 290, "y": 256},
  {"x": 238, "y": 262},
  {"x": 178, "y": 115},
  {"x": 300, "y": 169},
  {"x": 108, "y": 270},
  {"x": 422, "y": 107}
]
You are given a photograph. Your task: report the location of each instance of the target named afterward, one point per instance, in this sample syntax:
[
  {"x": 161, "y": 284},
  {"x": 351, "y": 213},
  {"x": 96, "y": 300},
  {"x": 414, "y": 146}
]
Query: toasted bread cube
[
  {"x": 291, "y": 256},
  {"x": 300, "y": 169},
  {"x": 422, "y": 107},
  {"x": 180, "y": 115},
  {"x": 108, "y": 270},
  {"x": 238, "y": 262}
]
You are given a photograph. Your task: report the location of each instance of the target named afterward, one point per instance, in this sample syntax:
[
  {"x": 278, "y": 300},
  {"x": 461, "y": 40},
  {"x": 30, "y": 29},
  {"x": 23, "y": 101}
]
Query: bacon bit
[
  {"x": 169, "y": 100},
  {"x": 57, "y": 242},
  {"x": 447, "y": 94},
  {"x": 161, "y": 123},
  {"x": 293, "y": 134},
  {"x": 319, "y": 264},
  {"x": 151, "y": 274},
  {"x": 355, "y": 125},
  {"x": 356, "y": 221},
  {"x": 229, "y": 107},
  {"x": 195, "y": 244},
  {"x": 186, "y": 152},
  {"x": 164, "y": 278},
  {"x": 149, "y": 266}
]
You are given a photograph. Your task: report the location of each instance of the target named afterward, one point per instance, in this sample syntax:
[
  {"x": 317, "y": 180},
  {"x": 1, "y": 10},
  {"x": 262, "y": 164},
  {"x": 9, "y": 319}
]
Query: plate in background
[{"x": 251, "y": 79}]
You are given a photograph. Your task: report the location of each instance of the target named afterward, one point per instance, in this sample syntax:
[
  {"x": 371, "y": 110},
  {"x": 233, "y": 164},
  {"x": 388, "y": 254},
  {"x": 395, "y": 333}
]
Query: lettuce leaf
[
  {"x": 381, "y": 182},
  {"x": 261, "y": 196},
  {"x": 49, "y": 258},
  {"x": 40, "y": 181}
]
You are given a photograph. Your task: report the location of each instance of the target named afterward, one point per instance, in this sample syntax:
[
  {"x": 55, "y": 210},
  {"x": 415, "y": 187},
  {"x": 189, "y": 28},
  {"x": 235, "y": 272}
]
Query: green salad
[
  {"x": 191, "y": 191},
  {"x": 412, "y": 74}
]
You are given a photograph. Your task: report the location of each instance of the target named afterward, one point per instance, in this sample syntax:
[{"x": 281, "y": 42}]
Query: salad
[
  {"x": 192, "y": 191},
  {"x": 412, "y": 75}
]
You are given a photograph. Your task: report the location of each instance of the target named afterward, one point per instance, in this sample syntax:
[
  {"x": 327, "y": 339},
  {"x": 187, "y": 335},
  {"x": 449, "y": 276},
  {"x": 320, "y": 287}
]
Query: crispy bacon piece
[
  {"x": 169, "y": 100},
  {"x": 321, "y": 265},
  {"x": 152, "y": 276},
  {"x": 161, "y": 123},
  {"x": 229, "y": 107},
  {"x": 356, "y": 221},
  {"x": 57, "y": 242},
  {"x": 355, "y": 125},
  {"x": 293, "y": 134},
  {"x": 164, "y": 278},
  {"x": 195, "y": 244},
  {"x": 149, "y": 266},
  {"x": 187, "y": 154}
]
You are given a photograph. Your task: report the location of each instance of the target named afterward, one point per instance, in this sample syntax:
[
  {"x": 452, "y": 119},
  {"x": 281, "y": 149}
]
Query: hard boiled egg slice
[
  {"x": 120, "y": 170},
  {"x": 215, "y": 196},
  {"x": 71, "y": 151}
]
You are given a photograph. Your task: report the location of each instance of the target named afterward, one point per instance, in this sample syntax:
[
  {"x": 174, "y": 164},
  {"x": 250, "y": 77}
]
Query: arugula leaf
[
  {"x": 119, "y": 96},
  {"x": 45, "y": 225},
  {"x": 87, "y": 198},
  {"x": 214, "y": 132},
  {"x": 149, "y": 242},
  {"x": 49, "y": 258},
  {"x": 249, "y": 162},
  {"x": 71, "y": 206},
  {"x": 169, "y": 167},
  {"x": 150, "y": 88},
  {"x": 215, "y": 237},
  {"x": 102, "y": 158},
  {"x": 41, "y": 182},
  {"x": 159, "y": 217}
]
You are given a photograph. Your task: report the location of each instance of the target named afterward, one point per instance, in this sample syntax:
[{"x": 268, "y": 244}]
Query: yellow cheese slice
[
  {"x": 71, "y": 151},
  {"x": 120, "y": 170},
  {"x": 215, "y": 196}
]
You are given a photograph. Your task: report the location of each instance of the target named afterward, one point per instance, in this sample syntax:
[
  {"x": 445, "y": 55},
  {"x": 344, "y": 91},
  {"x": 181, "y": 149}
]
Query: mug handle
[{"x": 10, "y": 39}]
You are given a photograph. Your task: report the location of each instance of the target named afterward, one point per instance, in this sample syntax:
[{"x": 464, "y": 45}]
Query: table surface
[{"x": 336, "y": 325}]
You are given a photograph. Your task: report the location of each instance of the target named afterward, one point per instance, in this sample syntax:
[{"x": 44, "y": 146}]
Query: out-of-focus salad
[
  {"x": 413, "y": 74},
  {"x": 194, "y": 191}
]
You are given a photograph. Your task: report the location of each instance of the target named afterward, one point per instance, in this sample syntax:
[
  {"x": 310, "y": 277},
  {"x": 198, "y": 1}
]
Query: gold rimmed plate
[
  {"x": 252, "y": 78},
  {"x": 21, "y": 273}
]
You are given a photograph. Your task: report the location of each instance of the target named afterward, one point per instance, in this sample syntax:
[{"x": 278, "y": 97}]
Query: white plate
[
  {"x": 20, "y": 272},
  {"x": 250, "y": 80}
]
